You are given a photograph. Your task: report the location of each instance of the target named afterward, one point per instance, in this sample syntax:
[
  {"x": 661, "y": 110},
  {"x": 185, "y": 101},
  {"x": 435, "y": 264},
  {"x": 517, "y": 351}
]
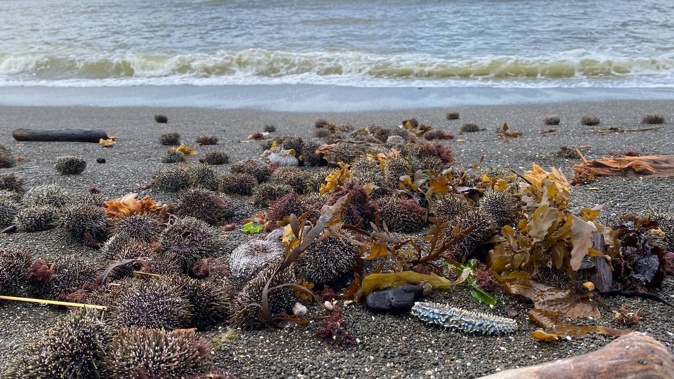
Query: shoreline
[
  {"x": 299, "y": 98},
  {"x": 391, "y": 346}
]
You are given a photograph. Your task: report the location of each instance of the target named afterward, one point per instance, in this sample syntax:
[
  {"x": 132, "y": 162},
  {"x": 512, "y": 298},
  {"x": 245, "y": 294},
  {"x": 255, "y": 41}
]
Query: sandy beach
[{"x": 389, "y": 346}]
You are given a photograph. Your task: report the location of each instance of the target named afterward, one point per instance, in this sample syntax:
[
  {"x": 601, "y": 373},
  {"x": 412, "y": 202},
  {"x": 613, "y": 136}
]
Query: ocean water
[{"x": 488, "y": 44}]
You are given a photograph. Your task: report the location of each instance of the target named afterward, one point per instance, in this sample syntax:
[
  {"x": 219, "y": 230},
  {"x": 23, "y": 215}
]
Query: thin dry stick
[{"x": 53, "y": 302}]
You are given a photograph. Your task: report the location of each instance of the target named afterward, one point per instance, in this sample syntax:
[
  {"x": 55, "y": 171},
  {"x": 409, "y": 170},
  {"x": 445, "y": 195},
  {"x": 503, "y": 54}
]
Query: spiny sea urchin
[
  {"x": 551, "y": 120},
  {"x": 160, "y": 118},
  {"x": 85, "y": 222},
  {"x": 12, "y": 182},
  {"x": 246, "y": 308},
  {"x": 154, "y": 304},
  {"x": 310, "y": 156},
  {"x": 237, "y": 183},
  {"x": 401, "y": 215},
  {"x": 173, "y": 156},
  {"x": 69, "y": 165},
  {"x": 8, "y": 211},
  {"x": 142, "y": 227},
  {"x": 361, "y": 209},
  {"x": 172, "y": 179},
  {"x": 326, "y": 260},
  {"x": 266, "y": 192},
  {"x": 500, "y": 206},
  {"x": 260, "y": 169},
  {"x": 215, "y": 158},
  {"x": 7, "y": 160},
  {"x": 36, "y": 219},
  {"x": 469, "y": 127},
  {"x": 483, "y": 225},
  {"x": 69, "y": 273},
  {"x": 202, "y": 176},
  {"x": 210, "y": 299},
  {"x": 449, "y": 206},
  {"x": 14, "y": 265},
  {"x": 142, "y": 353},
  {"x": 589, "y": 120},
  {"x": 394, "y": 168},
  {"x": 207, "y": 140},
  {"x": 50, "y": 194},
  {"x": 653, "y": 119},
  {"x": 170, "y": 139},
  {"x": 205, "y": 205},
  {"x": 301, "y": 180},
  {"x": 188, "y": 239},
  {"x": 73, "y": 348}
]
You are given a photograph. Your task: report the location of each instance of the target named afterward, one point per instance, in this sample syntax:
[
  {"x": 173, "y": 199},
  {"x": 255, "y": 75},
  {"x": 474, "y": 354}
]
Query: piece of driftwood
[
  {"x": 71, "y": 135},
  {"x": 651, "y": 165},
  {"x": 634, "y": 355}
]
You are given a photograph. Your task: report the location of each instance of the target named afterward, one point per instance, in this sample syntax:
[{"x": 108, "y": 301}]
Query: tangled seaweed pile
[{"x": 360, "y": 210}]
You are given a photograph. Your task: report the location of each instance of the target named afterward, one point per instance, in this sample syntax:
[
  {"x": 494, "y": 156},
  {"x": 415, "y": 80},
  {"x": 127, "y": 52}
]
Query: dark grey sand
[{"x": 388, "y": 346}]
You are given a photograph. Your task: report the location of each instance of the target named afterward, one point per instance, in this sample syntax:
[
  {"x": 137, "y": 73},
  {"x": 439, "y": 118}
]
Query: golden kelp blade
[
  {"x": 185, "y": 150},
  {"x": 129, "y": 205},
  {"x": 107, "y": 142}
]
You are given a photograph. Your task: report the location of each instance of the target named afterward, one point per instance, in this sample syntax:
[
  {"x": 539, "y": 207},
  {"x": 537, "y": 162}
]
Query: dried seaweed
[{"x": 649, "y": 166}]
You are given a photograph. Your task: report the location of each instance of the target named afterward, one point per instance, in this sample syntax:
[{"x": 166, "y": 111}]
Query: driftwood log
[
  {"x": 634, "y": 355},
  {"x": 72, "y": 135}
]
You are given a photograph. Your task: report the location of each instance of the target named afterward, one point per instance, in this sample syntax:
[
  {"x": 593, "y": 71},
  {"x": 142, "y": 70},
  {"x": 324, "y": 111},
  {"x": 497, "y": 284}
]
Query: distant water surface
[{"x": 375, "y": 43}]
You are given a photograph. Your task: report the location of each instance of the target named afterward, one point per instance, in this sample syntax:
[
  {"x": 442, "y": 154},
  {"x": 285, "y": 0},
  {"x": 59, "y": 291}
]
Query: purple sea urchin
[
  {"x": 450, "y": 206},
  {"x": 246, "y": 306},
  {"x": 141, "y": 227},
  {"x": 173, "y": 156},
  {"x": 141, "y": 353},
  {"x": 154, "y": 304},
  {"x": 172, "y": 179},
  {"x": 394, "y": 168},
  {"x": 266, "y": 192},
  {"x": 653, "y": 119},
  {"x": 14, "y": 265},
  {"x": 283, "y": 207},
  {"x": 251, "y": 257},
  {"x": 301, "y": 180},
  {"x": 73, "y": 348},
  {"x": 12, "y": 182},
  {"x": 326, "y": 260},
  {"x": 261, "y": 170},
  {"x": 551, "y": 120},
  {"x": 210, "y": 299},
  {"x": 215, "y": 158},
  {"x": 69, "y": 274},
  {"x": 170, "y": 139},
  {"x": 50, "y": 195},
  {"x": 361, "y": 208},
  {"x": 401, "y": 215},
  {"x": 160, "y": 118},
  {"x": 589, "y": 120},
  {"x": 188, "y": 239},
  {"x": 7, "y": 160},
  {"x": 85, "y": 221},
  {"x": 8, "y": 211},
  {"x": 69, "y": 165},
  {"x": 237, "y": 183},
  {"x": 207, "y": 140},
  {"x": 202, "y": 176},
  {"x": 483, "y": 225},
  {"x": 205, "y": 205},
  {"x": 500, "y": 206},
  {"x": 310, "y": 156},
  {"x": 36, "y": 219}
]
